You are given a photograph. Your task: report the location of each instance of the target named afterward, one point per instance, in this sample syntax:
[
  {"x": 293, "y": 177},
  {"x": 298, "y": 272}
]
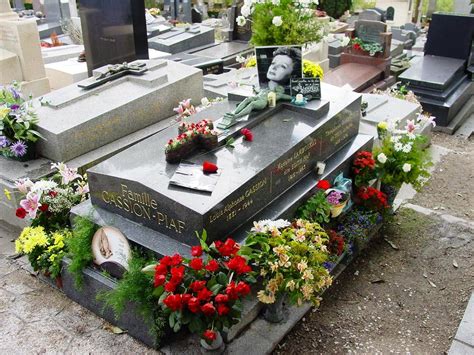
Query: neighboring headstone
[
  {"x": 335, "y": 49},
  {"x": 96, "y": 117},
  {"x": 20, "y": 53},
  {"x": 370, "y": 15},
  {"x": 61, "y": 53},
  {"x": 241, "y": 33},
  {"x": 113, "y": 34},
  {"x": 52, "y": 11},
  {"x": 407, "y": 37},
  {"x": 19, "y": 5},
  {"x": 390, "y": 13},
  {"x": 180, "y": 39},
  {"x": 369, "y": 31}
]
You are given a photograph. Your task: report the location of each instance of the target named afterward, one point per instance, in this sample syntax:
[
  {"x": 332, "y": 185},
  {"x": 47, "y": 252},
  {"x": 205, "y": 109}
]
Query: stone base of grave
[
  {"x": 177, "y": 40},
  {"x": 225, "y": 51},
  {"x": 36, "y": 88},
  {"x": 61, "y": 53},
  {"x": 359, "y": 77},
  {"x": 383, "y": 64},
  {"x": 64, "y": 73}
]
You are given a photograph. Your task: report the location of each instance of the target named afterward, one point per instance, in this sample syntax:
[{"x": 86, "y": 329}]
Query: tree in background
[{"x": 335, "y": 8}]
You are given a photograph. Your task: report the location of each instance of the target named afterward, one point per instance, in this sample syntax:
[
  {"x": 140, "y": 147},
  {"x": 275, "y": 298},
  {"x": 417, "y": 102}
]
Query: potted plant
[
  {"x": 316, "y": 209},
  {"x": 290, "y": 257},
  {"x": 337, "y": 248},
  {"x": 17, "y": 125},
  {"x": 338, "y": 201},
  {"x": 363, "y": 168},
  {"x": 372, "y": 49},
  {"x": 203, "y": 293}
]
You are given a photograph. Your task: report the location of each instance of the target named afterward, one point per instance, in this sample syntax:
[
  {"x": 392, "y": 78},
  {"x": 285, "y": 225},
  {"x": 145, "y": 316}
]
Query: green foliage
[
  {"x": 316, "y": 209},
  {"x": 79, "y": 247},
  {"x": 335, "y": 8},
  {"x": 298, "y": 27},
  {"x": 363, "y": 4},
  {"x": 371, "y": 47},
  {"x": 441, "y": 6},
  {"x": 137, "y": 287}
]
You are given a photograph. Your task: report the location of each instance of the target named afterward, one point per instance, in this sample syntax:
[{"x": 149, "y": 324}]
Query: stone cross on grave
[{"x": 113, "y": 72}]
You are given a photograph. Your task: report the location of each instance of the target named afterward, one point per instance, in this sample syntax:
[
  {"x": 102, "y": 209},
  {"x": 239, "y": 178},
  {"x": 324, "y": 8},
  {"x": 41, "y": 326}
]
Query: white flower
[
  {"x": 240, "y": 59},
  {"x": 345, "y": 40},
  {"x": 277, "y": 21},
  {"x": 23, "y": 185},
  {"x": 241, "y": 21},
  {"x": 316, "y": 2},
  {"x": 382, "y": 158},
  {"x": 398, "y": 146},
  {"x": 43, "y": 185},
  {"x": 407, "y": 148},
  {"x": 205, "y": 102},
  {"x": 276, "y": 2},
  {"x": 267, "y": 225},
  {"x": 406, "y": 167},
  {"x": 246, "y": 10},
  {"x": 394, "y": 139}
]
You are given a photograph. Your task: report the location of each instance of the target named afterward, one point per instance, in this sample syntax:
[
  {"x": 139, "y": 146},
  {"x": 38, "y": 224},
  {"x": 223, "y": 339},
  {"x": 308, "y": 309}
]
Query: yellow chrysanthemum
[
  {"x": 312, "y": 70},
  {"x": 30, "y": 238},
  {"x": 266, "y": 298},
  {"x": 382, "y": 125},
  {"x": 251, "y": 62}
]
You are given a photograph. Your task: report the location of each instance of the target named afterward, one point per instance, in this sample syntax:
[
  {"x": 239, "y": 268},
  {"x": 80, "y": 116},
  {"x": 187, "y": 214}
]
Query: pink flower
[
  {"x": 179, "y": 110},
  {"x": 82, "y": 190},
  {"x": 186, "y": 103},
  {"x": 69, "y": 175},
  {"x": 31, "y": 204},
  {"x": 411, "y": 126},
  {"x": 23, "y": 185}
]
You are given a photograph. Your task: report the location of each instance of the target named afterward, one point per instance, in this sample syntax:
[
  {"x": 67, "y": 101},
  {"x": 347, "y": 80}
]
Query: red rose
[
  {"x": 196, "y": 251},
  {"x": 204, "y": 295},
  {"x": 222, "y": 309},
  {"x": 247, "y": 133},
  {"x": 210, "y": 335},
  {"x": 231, "y": 291},
  {"x": 239, "y": 265},
  {"x": 159, "y": 280},
  {"x": 243, "y": 289},
  {"x": 220, "y": 298},
  {"x": 173, "y": 302},
  {"x": 323, "y": 184},
  {"x": 166, "y": 260},
  {"x": 21, "y": 212},
  {"x": 44, "y": 207},
  {"x": 356, "y": 46},
  {"x": 186, "y": 297},
  {"x": 208, "y": 309},
  {"x": 230, "y": 247},
  {"x": 212, "y": 266},
  {"x": 161, "y": 269},
  {"x": 209, "y": 167},
  {"x": 194, "y": 305},
  {"x": 177, "y": 272},
  {"x": 53, "y": 194},
  {"x": 196, "y": 264},
  {"x": 170, "y": 286},
  {"x": 176, "y": 259},
  {"x": 197, "y": 285}
]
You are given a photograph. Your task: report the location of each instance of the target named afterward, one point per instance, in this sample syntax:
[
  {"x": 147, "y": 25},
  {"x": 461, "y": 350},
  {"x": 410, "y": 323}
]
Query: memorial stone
[
  {"x": 369, "y": 31},
  {"x": 96, "y": 117},
  {"x": 113, "y": 34},
  {"x": 225, "y": 51},
  {"x": 241, "y": 33},
  {"x": 180, "y": 39},
  {"x": 390, "y": 13},
  {"x": 20, "y": 53},
  {"x": 371, "y": 15}
]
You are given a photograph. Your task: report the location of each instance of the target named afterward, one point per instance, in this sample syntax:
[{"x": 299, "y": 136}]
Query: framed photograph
[{"x": 276, "y": 66}]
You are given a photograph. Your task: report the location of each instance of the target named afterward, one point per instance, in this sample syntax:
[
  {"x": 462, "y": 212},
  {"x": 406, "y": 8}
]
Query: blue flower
[
  {"x": 4, "y": 142},
  {"x": 18, "y": 148}
]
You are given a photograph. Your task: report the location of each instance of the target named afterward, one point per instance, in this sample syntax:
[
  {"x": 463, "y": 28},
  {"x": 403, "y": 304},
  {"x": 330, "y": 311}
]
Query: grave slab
[
  {"x": 252, "y": 174},
  {"x": 356, "y": 76},
  {"x": 220, "y": 85},
  {"x": 180, "y": 39},
  {"x": 208, "y": 65},
  {"x": 95, "y": 117},
  {"x": 226, "y": 51},
  {"x": 64, "y": 73},
  {"x": 61, "y": 53}
]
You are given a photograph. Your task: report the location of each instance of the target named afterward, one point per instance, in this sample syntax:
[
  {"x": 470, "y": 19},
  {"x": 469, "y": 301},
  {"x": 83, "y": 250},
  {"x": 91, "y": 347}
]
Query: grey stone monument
[
  {"x": 371, "y": 15},
  {"x": 182, "y": 39}
]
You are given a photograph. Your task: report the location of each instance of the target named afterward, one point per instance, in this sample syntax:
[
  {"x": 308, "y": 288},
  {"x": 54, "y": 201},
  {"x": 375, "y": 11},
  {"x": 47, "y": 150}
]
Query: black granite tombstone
[
  {"x": 450, "y": 35},
  {"x": 241, "y": 33},
  {"x": 114, "y": 31},
  {"x": 390, "y": 13}
]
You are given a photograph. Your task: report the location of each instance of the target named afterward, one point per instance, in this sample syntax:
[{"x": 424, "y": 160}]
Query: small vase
[
  {"x": 216, "y": 347},
  {"x": 336, "y": 210},
  {"x": 274, "y": 312}
]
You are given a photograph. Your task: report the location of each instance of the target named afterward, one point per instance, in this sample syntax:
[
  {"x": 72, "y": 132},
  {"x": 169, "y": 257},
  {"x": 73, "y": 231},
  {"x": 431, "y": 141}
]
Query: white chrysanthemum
[
  {"x": 406, "y": 167},
  {"x": 43, "y": 185},
  {"x": 277, "y": 21},
  {"x": 382, "y": 158},
  {"x": 246, "y": 10},
  {"x": 345, "y": 41},
  {"x": 241, "y": 21},
  {"x": 398, "y": 146},
  {"x": 407, "y": 148},
  {"x": 394, "y": 139}
]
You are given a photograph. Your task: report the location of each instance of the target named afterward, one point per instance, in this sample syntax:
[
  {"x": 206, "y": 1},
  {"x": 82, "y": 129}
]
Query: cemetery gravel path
[{"x": 385, "y": 302}]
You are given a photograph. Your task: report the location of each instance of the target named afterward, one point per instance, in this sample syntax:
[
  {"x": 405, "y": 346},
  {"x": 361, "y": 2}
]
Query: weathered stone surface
[
  {"x": 61, "y": 53},
  {"x": 95, "y": 117},
  {"x": 356, "y": 76},
  {"x": 67, "y": 72},
  {"x": 180, "y": 40}
]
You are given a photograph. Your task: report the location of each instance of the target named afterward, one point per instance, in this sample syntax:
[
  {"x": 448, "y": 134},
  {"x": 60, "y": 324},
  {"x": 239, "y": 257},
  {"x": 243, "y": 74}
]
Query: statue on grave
[{"x": 252, "y": 103}]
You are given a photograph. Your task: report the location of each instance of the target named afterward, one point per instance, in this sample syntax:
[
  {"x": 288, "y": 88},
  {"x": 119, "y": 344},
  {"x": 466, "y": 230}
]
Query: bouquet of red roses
[{"x": 203, "y": 293}]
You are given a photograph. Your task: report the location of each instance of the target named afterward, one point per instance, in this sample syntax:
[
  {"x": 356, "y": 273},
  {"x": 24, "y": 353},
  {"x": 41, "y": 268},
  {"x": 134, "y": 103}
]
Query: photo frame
[{"x": 276, "y": 65}]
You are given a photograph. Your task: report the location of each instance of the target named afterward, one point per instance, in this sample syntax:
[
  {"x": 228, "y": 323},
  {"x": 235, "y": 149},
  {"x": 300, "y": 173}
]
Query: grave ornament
[{"x": 113, "y": 72}]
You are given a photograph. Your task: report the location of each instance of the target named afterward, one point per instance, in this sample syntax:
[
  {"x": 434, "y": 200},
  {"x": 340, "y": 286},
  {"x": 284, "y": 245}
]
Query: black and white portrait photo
[{"x": 277, "y": 65}]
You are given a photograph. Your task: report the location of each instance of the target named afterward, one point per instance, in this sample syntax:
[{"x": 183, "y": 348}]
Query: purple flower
[
  {"x": 16, "y": 94},
  {"x": 18, "y": 148},
  {"x": 334, "y": 197},
  {"x": 4, "y": 142},
  {"x": 14, "y": 107}
]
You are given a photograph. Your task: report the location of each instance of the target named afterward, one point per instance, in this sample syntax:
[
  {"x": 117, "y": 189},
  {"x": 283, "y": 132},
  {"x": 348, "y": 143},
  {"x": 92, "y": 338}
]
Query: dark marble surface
[
  {"x": 356, "y": 76},
  {"x": 208, "y": 65},
  {"x": 433, "y": 72},
  {"x": 286, "y": 146}
]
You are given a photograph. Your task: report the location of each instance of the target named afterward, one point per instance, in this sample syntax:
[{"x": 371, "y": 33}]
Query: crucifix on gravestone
[{"x": 113, "y": 72}]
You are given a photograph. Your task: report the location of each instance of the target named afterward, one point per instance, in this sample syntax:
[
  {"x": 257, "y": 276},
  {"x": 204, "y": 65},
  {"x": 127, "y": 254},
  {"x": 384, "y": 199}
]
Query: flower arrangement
[
  {"x": 363, "y": 168},
  {"x": 316, "y": 209},
  {"x": 44, "y": 250},
  {"x": 192, "y": 136},
  {"x": 372, "y": 47},
  {"x": 399, "y": 93},
  {"x": 281, "y": 22},
  {"x": 17, "y": 125},
  {"x": 372, "y": 199},
  {"x": 290, "y": 258},
  {"x": 154, "y": 11},
  {"x": 203, "y": 293},
  {"x": 400, "y": 158},
  {"x": 357, "y": 224},
  {"x": 184, "y": 109},
  {"x": 47, "y": 203},
  {"x": 312, "y": 70}
]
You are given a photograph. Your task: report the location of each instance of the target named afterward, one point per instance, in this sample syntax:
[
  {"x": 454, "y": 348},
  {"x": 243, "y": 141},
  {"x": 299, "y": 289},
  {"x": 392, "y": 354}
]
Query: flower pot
[
  {"x": 273, "y": 312},
  {"x": 216, "y": 347},
  {"x": 336, "y": 210},
  {"x": 390, "y": 191}
]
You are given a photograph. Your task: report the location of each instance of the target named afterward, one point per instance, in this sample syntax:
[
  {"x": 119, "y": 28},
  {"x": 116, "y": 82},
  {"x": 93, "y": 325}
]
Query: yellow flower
[
  {"x": 279, "y": 250},
  {"x": 284, "y": 261},
  {"x": 7, "y": 194},
  {"x": 382, "y": 125},
  {"x": 272, "y": 286},
  {"x": 291, "y": 285},
  {"x": 30, "y": 238},
  {"x": 302, "y": 265},
  {"x": 312, "y": 70},
  {"x": 264, "y": 298},
  {"x": 4, "y": 111},
  {"x": 308, "y": 275},
  {"x": 263, "y": 272},
  {"x": 273, "y": 266},
  {"x": 251, "y": 62},
  {"x": 307, "y": 291}
]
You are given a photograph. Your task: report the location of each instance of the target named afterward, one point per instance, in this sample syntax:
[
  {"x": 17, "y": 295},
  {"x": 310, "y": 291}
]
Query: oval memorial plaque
[{"x": 111, "y": 250}]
